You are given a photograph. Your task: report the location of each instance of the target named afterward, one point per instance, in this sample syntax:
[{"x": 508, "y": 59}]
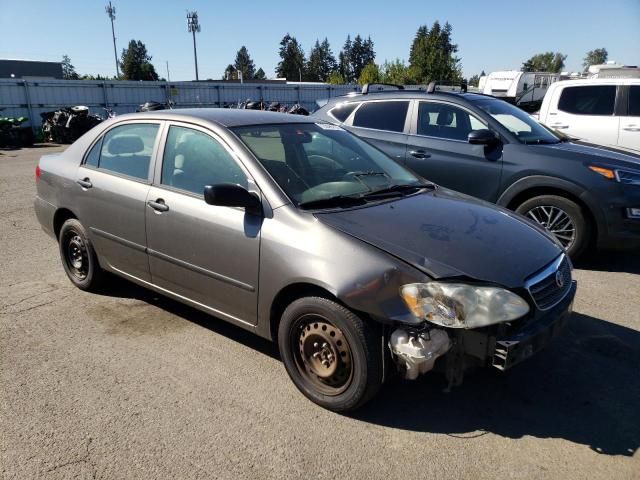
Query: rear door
[
  {"x": 113, "y": 183},
  {"x": 383, "y": 123},
  {"x": 437, "y": 149},
  {"x": 205, "y": 253},
  {"x": 630, "y": 123},
  {"x": 586, "y": 112}
]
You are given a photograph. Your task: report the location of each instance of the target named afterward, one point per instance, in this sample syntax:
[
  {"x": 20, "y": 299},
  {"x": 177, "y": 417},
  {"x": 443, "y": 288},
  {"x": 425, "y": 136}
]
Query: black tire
[
  {"x": 79, "y": 257},
  {"x": 575, "y": 237},
  {"x": 356, "y": 350}
]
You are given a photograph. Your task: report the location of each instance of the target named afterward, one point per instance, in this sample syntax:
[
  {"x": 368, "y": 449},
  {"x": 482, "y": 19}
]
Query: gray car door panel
[
  {"x": 453, "y": 162},
  {"x": 208, "y": 254}
]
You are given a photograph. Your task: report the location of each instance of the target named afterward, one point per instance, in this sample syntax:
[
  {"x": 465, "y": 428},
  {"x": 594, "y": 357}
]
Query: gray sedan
[{"x": 303, "y": 233}]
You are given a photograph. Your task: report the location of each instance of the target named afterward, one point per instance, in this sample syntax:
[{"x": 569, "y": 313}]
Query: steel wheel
[
  {"x": 322, "y": 354},
  {"x": 557, "y": 222},
  {"x": 75, "y": 254}
]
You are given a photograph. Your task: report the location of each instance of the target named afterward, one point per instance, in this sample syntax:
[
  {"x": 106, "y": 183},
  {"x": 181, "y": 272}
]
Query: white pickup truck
[{"x": 604, "y": 111}]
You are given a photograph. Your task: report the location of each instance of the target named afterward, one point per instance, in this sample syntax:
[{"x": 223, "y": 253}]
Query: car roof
[
  {"x": 596, "y": 81},
  {"x": 227, "y": 117},
  {"x": 409, "y": 95}
]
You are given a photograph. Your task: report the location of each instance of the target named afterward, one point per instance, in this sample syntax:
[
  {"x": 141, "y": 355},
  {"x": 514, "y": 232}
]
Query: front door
[
  {"x": 207, "y": 254},
  {"x": 630, "y": 123},
  {"x": 438, "y": 150},
  {"x": 586, "y": 112},
  {"x": 113, "y": 183}
]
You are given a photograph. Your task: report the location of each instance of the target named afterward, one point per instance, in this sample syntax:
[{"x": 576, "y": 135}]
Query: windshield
[
  {"x": 313, "y": 162},
  {"x": 518, "y": 122}
]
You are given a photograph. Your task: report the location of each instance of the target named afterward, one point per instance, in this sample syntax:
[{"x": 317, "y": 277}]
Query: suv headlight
[
  {"x": 459, "y": 305},
  {"x": 628, "y": 177}
]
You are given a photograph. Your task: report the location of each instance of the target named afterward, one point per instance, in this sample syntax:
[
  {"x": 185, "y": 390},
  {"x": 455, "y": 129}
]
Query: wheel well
[
  {"x": 537, "y": 191},
  {"x": 61, "y": 216},
  {"x": 289, "y": 294}
]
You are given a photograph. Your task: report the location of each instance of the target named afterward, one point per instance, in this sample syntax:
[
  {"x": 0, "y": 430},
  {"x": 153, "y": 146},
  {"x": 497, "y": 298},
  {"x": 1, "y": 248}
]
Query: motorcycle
[
  {"x": 298, "y": 109},
  {"x": 152, "y": 106},
  {"x": 67, "y": 124},
  {"x": 13, "y": 134}
]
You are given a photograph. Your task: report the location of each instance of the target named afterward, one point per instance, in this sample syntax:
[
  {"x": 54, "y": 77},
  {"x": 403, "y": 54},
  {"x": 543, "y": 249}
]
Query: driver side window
[{"x": 193, "y": 159}]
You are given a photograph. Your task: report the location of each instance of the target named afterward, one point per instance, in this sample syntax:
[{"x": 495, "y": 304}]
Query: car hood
[
  {"x": 448, "y": 234},
  {"x": 580, "y": 150}
]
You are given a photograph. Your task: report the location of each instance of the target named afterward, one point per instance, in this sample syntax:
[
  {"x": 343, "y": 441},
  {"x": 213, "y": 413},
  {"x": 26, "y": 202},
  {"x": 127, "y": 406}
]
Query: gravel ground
[{"x": 133, "y": 385}]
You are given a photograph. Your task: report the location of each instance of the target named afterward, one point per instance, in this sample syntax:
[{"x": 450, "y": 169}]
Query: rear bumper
[
  {"x": 511, "y": 350},
  {"x": 45, "y": 213}
]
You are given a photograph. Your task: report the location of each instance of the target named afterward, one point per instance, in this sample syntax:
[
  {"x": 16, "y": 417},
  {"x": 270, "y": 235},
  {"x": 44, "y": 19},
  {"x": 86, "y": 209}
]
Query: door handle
[
  {"x": 632, "y": 128},
  {"x": 85, "y": 183},
  {"x": 419, "y": 154},
  {"x": 559, "y": 126},
  {"x": 159, "y": 205}
]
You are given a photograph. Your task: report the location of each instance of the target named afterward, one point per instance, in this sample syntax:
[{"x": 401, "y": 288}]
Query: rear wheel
[
  {"x": 331, "y": 355},
  {"x": 78, "y": 256},
  {"x": 561, "y": 217}
]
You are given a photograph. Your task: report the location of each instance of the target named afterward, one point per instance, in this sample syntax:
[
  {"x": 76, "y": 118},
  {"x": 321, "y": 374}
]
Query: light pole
[
  {"x": 194, "y": 27},
  {"x": 111, "y": 12}
]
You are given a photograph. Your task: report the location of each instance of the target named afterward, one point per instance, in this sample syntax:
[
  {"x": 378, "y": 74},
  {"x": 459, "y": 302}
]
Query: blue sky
[{"x": 491, "y": 35}]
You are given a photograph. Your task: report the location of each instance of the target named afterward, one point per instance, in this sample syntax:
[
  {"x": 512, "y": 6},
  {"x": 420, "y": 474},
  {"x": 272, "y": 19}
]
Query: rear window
[
  {"x": 588, "y": 100},
  {"x": 341, "y": 112},
  {"x": 634, "y": 101},
  {"x": 388, "y": 116}
]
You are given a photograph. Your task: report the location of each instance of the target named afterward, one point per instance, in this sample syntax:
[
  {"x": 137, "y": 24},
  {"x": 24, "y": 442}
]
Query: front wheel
[
  {"x": 331, "y": 355},
  {"x": 561, "y": 217}
]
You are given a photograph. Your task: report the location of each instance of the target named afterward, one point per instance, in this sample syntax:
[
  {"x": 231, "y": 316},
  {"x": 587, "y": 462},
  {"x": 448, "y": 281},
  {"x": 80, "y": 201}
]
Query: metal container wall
[{"x": 30, "y": 98}]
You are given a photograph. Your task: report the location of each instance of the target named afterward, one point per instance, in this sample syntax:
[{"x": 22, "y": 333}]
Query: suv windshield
[
  {"x": 518, "y": 122},
  {"x": 321, "y": 164}
]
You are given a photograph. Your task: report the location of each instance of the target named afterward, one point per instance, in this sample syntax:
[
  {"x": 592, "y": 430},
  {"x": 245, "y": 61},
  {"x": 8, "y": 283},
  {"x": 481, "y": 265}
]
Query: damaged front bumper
[{"x": 501, "y": 346}]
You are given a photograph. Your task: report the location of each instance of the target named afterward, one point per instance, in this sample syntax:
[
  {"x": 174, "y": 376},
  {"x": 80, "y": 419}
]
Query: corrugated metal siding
[{"x": 125, "y": 96}]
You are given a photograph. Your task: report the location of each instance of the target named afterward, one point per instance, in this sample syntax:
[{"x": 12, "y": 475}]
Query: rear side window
[
  {"x": 634, "y": 101},
  {"x": 588, "y": 100},
  {"x": 127, "y": 149},
  {"x": 445, "y": 121},
  {"x": 93, "y": 157},
  {"x": 341, "y": 112},
  {"x": 193, "y": 159},
  {"x": 388, "y": 116}
]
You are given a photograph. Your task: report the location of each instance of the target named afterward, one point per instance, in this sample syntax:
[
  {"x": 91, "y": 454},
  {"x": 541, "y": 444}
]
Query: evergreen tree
[
  {"x": 432, "y": 54},
  {"x": 545, "y": 62},
  {"x": 344, "y": 60},
  {"x": 135, "y": 62},
  {"x": 595, "y": 57},
  {"x": 68, "y": 70},
  {"x": 321, "y": 62},
  {"x": 244, "y": 64},
  {"x": 260, "y": 75},
  {"x": 292, "y": 63},
  {"x": 396, "y": 72}
]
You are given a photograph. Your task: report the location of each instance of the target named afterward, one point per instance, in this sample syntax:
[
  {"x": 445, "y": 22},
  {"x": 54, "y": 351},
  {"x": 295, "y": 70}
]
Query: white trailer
[{"x": 524, "y": 89}]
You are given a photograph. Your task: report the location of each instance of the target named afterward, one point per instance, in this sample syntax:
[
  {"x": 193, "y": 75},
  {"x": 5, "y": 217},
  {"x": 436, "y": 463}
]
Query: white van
[{"x": 605, "y": 111}]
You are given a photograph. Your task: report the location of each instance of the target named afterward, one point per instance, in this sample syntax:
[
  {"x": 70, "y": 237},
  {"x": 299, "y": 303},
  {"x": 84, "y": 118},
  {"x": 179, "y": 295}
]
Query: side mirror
[
  {"x": 232, "y": 195},
  {"x": 482, "y": 137}
]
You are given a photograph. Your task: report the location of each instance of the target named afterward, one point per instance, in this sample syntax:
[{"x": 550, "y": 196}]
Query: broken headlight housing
[{"x": 460, "y": 305}]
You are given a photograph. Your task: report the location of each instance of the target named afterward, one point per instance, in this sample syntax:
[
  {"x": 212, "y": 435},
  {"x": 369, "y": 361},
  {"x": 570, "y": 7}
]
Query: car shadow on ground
[
  {"x": 121, "y": 288},
  {"x": 611, "y": 261},
  {"x": 584, "y": 388}
]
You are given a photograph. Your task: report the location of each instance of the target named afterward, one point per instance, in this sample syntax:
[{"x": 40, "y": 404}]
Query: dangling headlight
[{"x": 458, "y": 305}]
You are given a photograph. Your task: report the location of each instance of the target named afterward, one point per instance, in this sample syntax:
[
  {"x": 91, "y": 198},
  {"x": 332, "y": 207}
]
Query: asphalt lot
[{"x": 128, "y": 384}]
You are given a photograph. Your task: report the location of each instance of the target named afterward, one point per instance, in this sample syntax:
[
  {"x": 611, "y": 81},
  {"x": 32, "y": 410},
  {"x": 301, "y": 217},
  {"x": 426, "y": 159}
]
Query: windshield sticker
[{"x": 328, "y": 126}]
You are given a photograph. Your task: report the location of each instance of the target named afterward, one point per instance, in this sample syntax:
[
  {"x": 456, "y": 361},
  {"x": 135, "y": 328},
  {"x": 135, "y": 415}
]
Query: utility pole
[
  {"x": 194, "y": 27},
  {"x": 111, "y": 12},
  {"x": 168, "y": 77}
]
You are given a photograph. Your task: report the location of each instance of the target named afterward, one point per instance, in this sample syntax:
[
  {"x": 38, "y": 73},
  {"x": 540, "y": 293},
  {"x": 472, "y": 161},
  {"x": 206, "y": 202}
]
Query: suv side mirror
[
  {"x": 482, "y": 137},
  {"x": 232, "y": 195}
]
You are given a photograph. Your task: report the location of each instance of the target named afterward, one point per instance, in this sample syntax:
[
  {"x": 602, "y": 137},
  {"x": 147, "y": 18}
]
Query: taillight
[{"x": 37, "y": 172}]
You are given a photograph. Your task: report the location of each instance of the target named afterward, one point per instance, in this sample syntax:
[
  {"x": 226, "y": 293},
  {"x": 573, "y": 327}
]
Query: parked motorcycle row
[
  {"x": 248, "y": 104},
  {"x": 13, "y": 134}
]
